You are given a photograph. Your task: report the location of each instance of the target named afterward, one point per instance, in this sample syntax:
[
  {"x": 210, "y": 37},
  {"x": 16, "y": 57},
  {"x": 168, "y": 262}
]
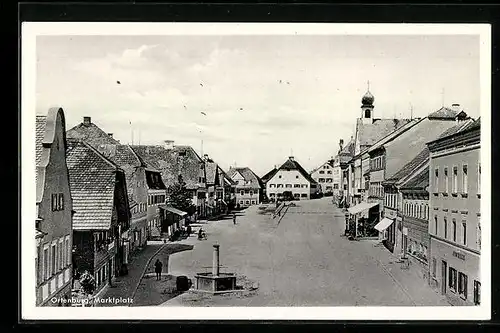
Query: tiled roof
[
  {"x": 269, "y": 175},
  {"x": 40, "y": 133},
  {"x": 294, "y": 165},
  {"x": 348, "y": 149},
  {"x": 419, "y": 182},
  {"x": 92, "y": 183},
  {"x": 368, "y": 134},
  {"x": 409, "y": 167},
  {"x": 181, "y": 160},
  {"x": 247, "y": 174},
  {"x": 447, "y": 113},
  {"x": 210, "y": 172},
  {"x": 39, "y": 174},
  {"x": 91, "y": 134},
  {"x": 125, "y": 158},
  {"x": 225, "y": 176},
  {"x": 401, "y": 149}
]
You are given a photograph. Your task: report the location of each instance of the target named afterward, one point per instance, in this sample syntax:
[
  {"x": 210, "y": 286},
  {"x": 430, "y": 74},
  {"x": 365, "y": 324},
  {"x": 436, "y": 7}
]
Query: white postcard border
[{"x": 28, "y": 90}]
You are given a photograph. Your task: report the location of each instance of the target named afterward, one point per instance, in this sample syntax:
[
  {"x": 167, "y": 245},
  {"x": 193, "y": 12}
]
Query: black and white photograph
[{"x": 256, "y": 171}]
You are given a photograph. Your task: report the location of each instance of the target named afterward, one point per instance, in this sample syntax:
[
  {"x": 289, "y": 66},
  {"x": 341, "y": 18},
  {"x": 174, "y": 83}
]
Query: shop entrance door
[{"x": 444, "y": 268}]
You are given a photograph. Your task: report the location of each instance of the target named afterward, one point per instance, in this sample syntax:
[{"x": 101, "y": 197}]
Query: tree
[{"x": 179, "y": 197}]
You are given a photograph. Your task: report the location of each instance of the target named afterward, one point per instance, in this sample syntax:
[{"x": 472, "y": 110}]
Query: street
[{"x": 301, "y": 261}]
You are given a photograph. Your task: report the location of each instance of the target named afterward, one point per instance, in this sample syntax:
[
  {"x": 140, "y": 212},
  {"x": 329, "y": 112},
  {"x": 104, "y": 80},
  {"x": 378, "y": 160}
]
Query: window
[
  {"x": 288, "y": 185},
  {"x": 61, "y": 254},
  {"x": 462, "y": 285},
  {"x": 453, "y": 279},
  {"x": 53, "y": 255},
  {"x": 272, "y": 185},
  {"x": 454, "y": 184},
  {"x": 296, "y": 185},
  {"x": 253, "y": 202},
  {"x": 335, "y": 186},
  {"x": 454, "y": 224},
  {"x": 280, "y": 185},
  {"x": 464, "y": 232},
  {"x": 57, "y": 202},
  {"x": 434, "y": 265},
  {"x": 478, "y": 178},
  {"x": 279, "y": 176},
  {"x": 46, "y": 272},
  {"x": 304, "y": 195},
  {"x": 436, "y": 180},
  {"x": 69, "y": 254},
  {"x": 465, "y": 179},
  {"x": 251, "y": 193},
  {"x": 242, "y": 192},
  {"x": 328, "y": 172},
  {"x": 241, "y": 202},
  {"x": 321, "y": 172},
  {"x": 304, "y": 185},
  {"x": 478, "y": 236},
  {"x": 445, "y": 225},
  {"x": 477, "y": 292},
  {"x": 247, "y": 202},
  {"x": 445, "y": 180}
]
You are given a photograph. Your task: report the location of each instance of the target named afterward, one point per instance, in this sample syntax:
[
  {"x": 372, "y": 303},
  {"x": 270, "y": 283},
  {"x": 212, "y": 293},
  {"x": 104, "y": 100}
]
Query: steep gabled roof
[
  {"x": 181, "y": 160},
  {"x": 46, "y": 128},
  {"x": 292, "y": 164},
  {"x": 247, "y": 174},
  {"x": 401, "y": 149},
  {"x": 91, "y": 134},
  {"x": 268, "y": 175},
  {"x": 420, "y": 182},
  {"x": 411, "y": 166},
  {"x": 368, "y": 134},
  {"x": 92, "y": 183},
  {"x": 448, "y": 113},
  {"x": 225, "y": 177}
]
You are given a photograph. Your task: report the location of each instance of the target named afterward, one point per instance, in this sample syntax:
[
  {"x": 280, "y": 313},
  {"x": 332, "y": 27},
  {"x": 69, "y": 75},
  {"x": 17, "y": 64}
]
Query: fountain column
[{"x": 215, "y": 262}]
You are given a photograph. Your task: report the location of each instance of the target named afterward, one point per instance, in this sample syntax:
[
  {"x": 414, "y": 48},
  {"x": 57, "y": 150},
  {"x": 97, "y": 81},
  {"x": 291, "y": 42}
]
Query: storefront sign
[{"x": 459, "y": 255}]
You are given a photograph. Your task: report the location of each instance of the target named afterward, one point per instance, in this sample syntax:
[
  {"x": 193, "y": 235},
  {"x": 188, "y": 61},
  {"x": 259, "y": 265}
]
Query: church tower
[{"x": 367, "y": 106}]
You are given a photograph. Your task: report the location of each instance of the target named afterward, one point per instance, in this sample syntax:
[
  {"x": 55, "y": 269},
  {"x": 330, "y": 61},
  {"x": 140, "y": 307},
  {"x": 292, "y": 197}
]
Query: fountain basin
[{"x": 223, "y": 282}]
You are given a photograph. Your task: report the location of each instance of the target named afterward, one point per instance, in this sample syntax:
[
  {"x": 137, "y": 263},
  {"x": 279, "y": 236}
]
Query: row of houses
[
  {"x": 415, "y": 184},
  {"x": 99, "y": 201}
]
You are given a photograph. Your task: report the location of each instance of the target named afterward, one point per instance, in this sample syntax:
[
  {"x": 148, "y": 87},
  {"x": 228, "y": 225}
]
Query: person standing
[
  {"x": 234, "y": 219},
  {"x": 158, "y": 269}
]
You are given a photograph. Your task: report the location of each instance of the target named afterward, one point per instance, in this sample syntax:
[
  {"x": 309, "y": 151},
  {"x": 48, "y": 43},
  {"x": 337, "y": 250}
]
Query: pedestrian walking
[
  {"x": 158, "y": 268},
  {"x": 234, "y": 219}
]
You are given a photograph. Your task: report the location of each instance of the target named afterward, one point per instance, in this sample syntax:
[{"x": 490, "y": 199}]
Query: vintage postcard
[{"x": 255, "y": 171}]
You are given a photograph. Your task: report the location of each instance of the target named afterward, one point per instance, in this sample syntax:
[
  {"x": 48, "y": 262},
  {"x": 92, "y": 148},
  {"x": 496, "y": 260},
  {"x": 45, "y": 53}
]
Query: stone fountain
[{"x": 215, "y": 281}]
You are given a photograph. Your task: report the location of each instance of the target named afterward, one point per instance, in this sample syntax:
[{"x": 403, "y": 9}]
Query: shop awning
[
  {"x": 173, "y": 210},
  {"x": 362, "y": 207},
  {"x": 384, "y": 224}
]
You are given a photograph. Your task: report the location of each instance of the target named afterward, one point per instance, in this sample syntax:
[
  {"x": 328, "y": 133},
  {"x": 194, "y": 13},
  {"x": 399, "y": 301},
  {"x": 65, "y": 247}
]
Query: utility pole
[
  {"x": 411, "y": 111},
  {"x": 442, "y": 98}
]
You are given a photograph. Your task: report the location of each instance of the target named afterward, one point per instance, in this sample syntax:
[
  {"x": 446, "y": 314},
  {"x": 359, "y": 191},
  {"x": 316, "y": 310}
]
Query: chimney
[
  {"x": 110, "y": 135},
  {"x": 215, "y": 262},
  {"x": 205, "y": 157},
  {"x": 455, "y": 107},
  {"x": 86, "y": 121},
  {"x": 341, "y": 144},
  {"x": 290, "y": 158},
  {"x": 169, "y": 144}
]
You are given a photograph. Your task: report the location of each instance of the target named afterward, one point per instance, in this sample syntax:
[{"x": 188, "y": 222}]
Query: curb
[{"x": 144, "y": 271}]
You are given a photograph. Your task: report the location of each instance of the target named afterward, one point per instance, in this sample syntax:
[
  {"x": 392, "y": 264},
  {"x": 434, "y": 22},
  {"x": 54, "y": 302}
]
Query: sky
[{"x": 252, "y": 100}]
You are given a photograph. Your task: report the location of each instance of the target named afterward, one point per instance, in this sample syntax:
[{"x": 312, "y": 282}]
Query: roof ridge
[{"x": 111, "y": 163}]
